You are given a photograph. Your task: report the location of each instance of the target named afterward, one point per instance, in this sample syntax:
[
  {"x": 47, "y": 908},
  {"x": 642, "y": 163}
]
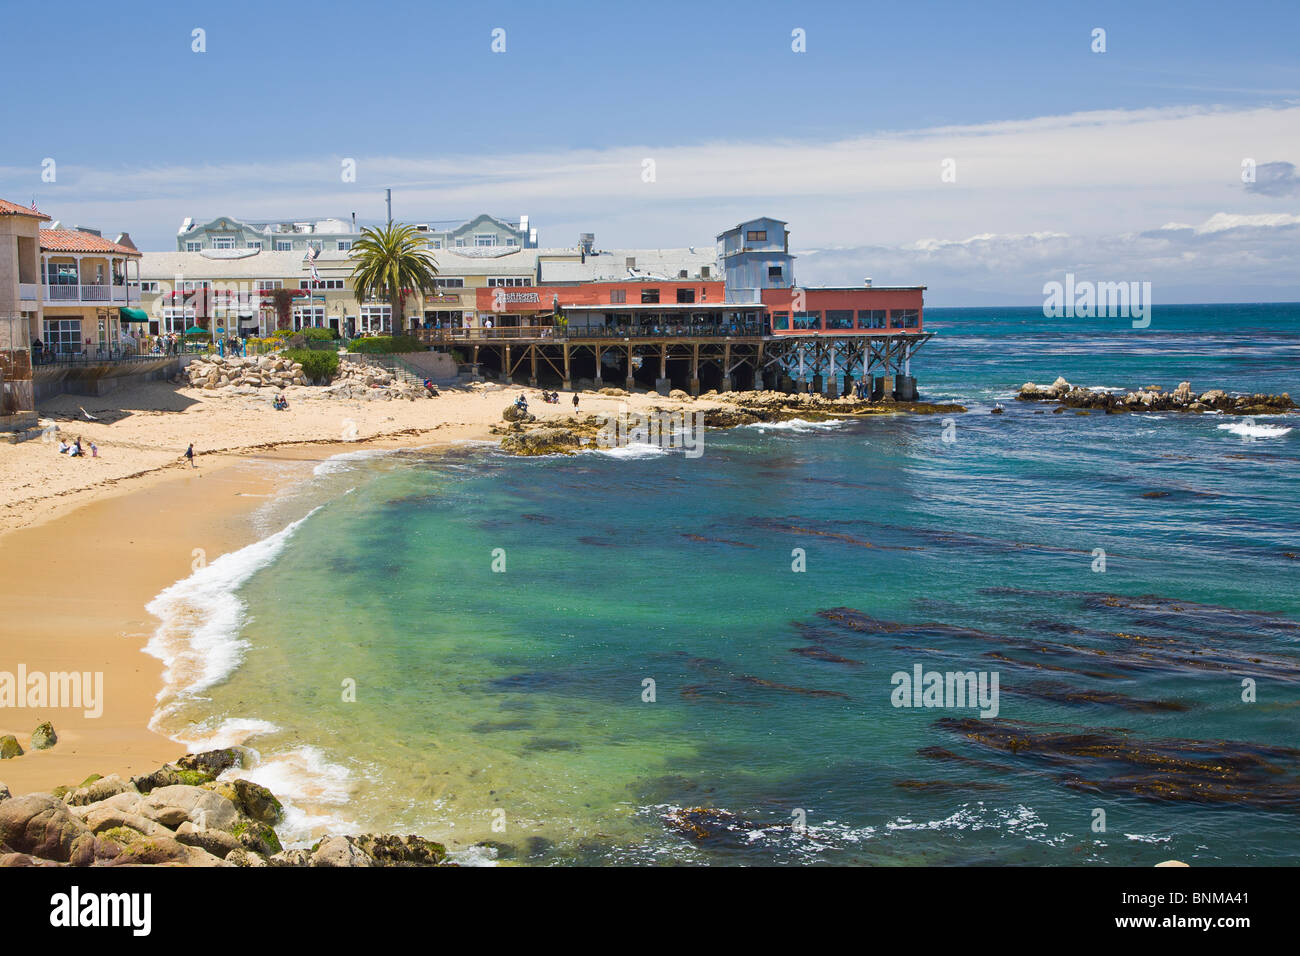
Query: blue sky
[{"x": 145, "y": 131}]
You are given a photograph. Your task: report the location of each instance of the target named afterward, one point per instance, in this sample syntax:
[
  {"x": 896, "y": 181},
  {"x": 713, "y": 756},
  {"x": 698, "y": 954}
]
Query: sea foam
[{"x": 1249, "y": 430}]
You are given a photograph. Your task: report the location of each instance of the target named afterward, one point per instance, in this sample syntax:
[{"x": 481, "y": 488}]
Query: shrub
[
  {"x": 386, "y": 344},
  {"x": 317, "y": 366},
  {"x": 314, "y": 334}
]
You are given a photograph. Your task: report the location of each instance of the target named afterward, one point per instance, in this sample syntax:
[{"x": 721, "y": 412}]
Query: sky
[{"x": 980, "y": 149}]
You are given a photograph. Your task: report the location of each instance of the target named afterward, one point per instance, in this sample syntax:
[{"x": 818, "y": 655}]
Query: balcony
[
  {"x": 27, "y": 291},
  {"x": 95, "y": 294}
]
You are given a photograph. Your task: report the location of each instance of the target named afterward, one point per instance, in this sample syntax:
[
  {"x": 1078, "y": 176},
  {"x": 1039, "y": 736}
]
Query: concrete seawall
[{"x": 99, "y": 378}]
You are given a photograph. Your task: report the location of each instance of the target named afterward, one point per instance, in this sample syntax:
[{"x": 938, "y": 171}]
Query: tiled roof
[
  {"x": 72, "y": 240},
  {"x": 8, "y": 208}
]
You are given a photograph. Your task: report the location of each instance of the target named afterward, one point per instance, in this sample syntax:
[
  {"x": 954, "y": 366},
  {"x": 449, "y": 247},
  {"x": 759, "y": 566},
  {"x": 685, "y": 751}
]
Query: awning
[
  {"x": 196, "y": 330},
  {"x": 128, "y": 314}
]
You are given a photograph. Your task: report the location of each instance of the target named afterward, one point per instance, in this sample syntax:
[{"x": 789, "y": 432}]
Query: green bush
[
  {"x": 386, "y": 344},
  {"x": 314, "y": 334},
  {"x": 317, "y": 366}
]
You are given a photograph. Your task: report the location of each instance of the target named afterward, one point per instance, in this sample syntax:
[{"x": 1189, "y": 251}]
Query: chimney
[{"x": 867, "y": 282}]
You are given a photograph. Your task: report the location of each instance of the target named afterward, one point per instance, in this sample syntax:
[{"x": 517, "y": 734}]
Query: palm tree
[{"x": 389, "y": 260}]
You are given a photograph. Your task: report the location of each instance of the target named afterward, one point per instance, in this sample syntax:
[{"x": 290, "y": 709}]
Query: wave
[
  {"x": 799, "y": 426},
  {"x": 634, "y": 450},
  {"x": 198, "y": 638},
  {"x": 305, "y": 776},
  {"x": 1250, "y": 430},
  {"x": 340, "y": 462}
]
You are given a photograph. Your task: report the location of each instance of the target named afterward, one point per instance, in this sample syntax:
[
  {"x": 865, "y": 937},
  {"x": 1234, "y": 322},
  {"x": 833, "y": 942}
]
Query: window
[
  {"x": 177, "y": 320},
  {"x": 450, "y": 283},
  {"x": 509, "y": 281},
  {"x": 685, "y": 295},
  {"x": 511, "y": 241},
  {"x": 756, "y": 235},
  {"x": 316, "y": 244},
  {"x": 433, "y": 244},
  {"x": 345, "y": 245},
  {"x": 618, "y": 296},
  {"x": 649, "y": 296},
  {"x": 60, "y": 273},
  {"x": 460, "y": 242},
  {"x": 254, "y": 244},
  {"x": 335, "y": 285},
  {"x": 839, "y": 318},
  {"x": 63, "y": 335},
  {"x": 484, "y": 239},
  {"x": 375, "y": 318},
  {"x": 266, "y": 285},
  {"x": 704, "y": 272},
  {"x": 223, "y": 242},
  {"x": 781, "y": 320},
  {"x": 871, "y": 319},
  {"x": 904, "y": 318},
  {"x": 807, "y": 320},
  {"x": 193, "y": 245},
  {"x": 284, "y": 245},
  {"x": 308, "y": 315},
  {"x": 144, "y": 285},
  {"x": 190, "y": 285},
  {"x": 775, "y": 272}
]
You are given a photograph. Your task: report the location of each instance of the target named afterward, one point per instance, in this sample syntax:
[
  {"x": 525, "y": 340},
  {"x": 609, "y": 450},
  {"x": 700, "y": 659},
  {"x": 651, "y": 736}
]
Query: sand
[{"x": 86, "y": 543}]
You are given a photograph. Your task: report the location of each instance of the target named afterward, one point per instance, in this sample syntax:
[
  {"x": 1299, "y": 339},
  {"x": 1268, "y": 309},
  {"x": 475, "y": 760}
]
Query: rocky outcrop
[
  {"x": 542, "y": 441},
  {"x": 9, "y": 747},
  {"x": 357, "y": 381},
  {"x": 108, "y": 821},
  {"x": 513, "y": 413},
  {"x": 264, "y": 371},
  {"x": 44, "y": 737},
  {"x": 1153, "y": 398}
]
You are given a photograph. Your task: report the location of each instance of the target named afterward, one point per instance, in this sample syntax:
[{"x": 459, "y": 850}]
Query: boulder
[
  {"x": 98, "y": 789},
  {"x": 513, "y": 413},
  {"x": 44, "y": 737},
  {"x": 257, "y": 837},
  {"x": 9, "y": 747},
  {"x": 251, "y": 800},
  {"x": 162, "y": 777},
  {"x": 160, "y": 850},
  {"x": 241, "y": 857},
  {"x": 217, "y": 842},
  {"x": 386, "y": 849},
  {"x": 108, "y": 819},
  {"x": 297, "y": 857},
  {"x": 173, "y": 805},
  {"x": 340, "y": 851},
  {"x": 215, "y": 762},
  {"x": 42, "y": 826},
  {"x": 4, "y": 792}
]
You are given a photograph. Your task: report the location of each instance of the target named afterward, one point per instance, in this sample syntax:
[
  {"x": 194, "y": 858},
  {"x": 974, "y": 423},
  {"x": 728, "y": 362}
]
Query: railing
[
  {"x": 93, "y": 292},
  {"x": 43, "y": 358},
  {"x": 548, "y": 333}
]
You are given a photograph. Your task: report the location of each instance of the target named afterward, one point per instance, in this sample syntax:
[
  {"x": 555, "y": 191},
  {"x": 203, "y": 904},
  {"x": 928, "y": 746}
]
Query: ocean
[{"x": 549, "y": 661}]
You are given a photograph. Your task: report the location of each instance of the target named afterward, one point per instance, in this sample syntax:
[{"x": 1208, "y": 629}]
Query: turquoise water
[{"x": 514, "y": 698}]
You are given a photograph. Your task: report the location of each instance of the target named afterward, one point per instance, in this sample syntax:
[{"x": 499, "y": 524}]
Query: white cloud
[{"x": 1056, "y": 190}]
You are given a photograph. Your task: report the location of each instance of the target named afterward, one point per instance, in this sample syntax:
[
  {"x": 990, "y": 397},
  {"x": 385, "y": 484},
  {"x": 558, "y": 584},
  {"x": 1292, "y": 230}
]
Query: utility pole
[{"x": 388, "y": 193}]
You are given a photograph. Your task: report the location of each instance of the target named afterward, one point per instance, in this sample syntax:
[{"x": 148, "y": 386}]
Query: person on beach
[
  {"x": 63, "y": 447},
  {"x": 189, "y": 453},
  {"x": 94, "y": 450},
  {"x": 575, "y": 399}
]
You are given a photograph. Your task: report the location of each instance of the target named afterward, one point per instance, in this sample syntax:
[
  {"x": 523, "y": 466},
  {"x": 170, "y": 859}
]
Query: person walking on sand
[
  {"x": 189, "y": 453},
  {"x": 575, "y": 399}
]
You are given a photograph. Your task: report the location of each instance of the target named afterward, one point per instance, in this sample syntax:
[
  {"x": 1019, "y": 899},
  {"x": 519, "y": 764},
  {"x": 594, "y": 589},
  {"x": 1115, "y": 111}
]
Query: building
[
  {"x": 226, "y": 234},
  {"x": 752, "y": 323},
  {"x": 20, "y": 265},
  {"x": 87, "y": 303}
]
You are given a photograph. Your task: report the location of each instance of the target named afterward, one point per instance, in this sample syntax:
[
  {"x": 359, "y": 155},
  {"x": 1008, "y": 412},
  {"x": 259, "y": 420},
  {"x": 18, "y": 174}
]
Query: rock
[
  {"x": 42, "y": 826},
  {"x": 242, "y": 857},
  {"x": 298, "y": 857},
  {"x": 98, "y": 789},
  {"x": 702, "y": 823},
  {"x": 542, "y": 441},
  {"x": 615, "y": 392},
  {"x": 215, "y": 762},
  {"x": 513, "y": 413},
  {"x": 156, "y": 850},
  {"x": 257, "y": 837},
  {"x": 340, "y": 851},
  {"x": 162, "y": 777},
  {"x": 679, "y": 394},
  {"x": 217, "y": 842},
  {"x": 9, "y": 747},
  {"x": 172, "y": 805},
  {"x": 44, "y": 737},
  {"x": 108, "y": 820},
  {"x": 389, "y": 850},
  {"x": 251, "y": 800},
  {"x": 4, "y": 792}
]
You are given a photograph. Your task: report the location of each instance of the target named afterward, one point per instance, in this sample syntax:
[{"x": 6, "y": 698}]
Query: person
[
  {"x": 189, "y": 453},
  {"x": 94, "y": 450},
  {"x": 75, "y": 450},
  {"x": 575, "y": 399},
  {"x": 63, "y": 447}
]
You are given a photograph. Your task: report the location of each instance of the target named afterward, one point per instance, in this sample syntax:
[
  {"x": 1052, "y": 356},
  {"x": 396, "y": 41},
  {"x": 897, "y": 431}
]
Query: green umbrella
[{"x": 196, "y": 330}]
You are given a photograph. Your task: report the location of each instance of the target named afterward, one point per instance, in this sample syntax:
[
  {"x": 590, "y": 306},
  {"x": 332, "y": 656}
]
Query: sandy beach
[{"x": 86, "y": 543}]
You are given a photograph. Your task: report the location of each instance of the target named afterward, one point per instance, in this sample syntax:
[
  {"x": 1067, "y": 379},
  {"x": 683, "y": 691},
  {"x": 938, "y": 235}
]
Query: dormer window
[{"x": 756, "y": 235}]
